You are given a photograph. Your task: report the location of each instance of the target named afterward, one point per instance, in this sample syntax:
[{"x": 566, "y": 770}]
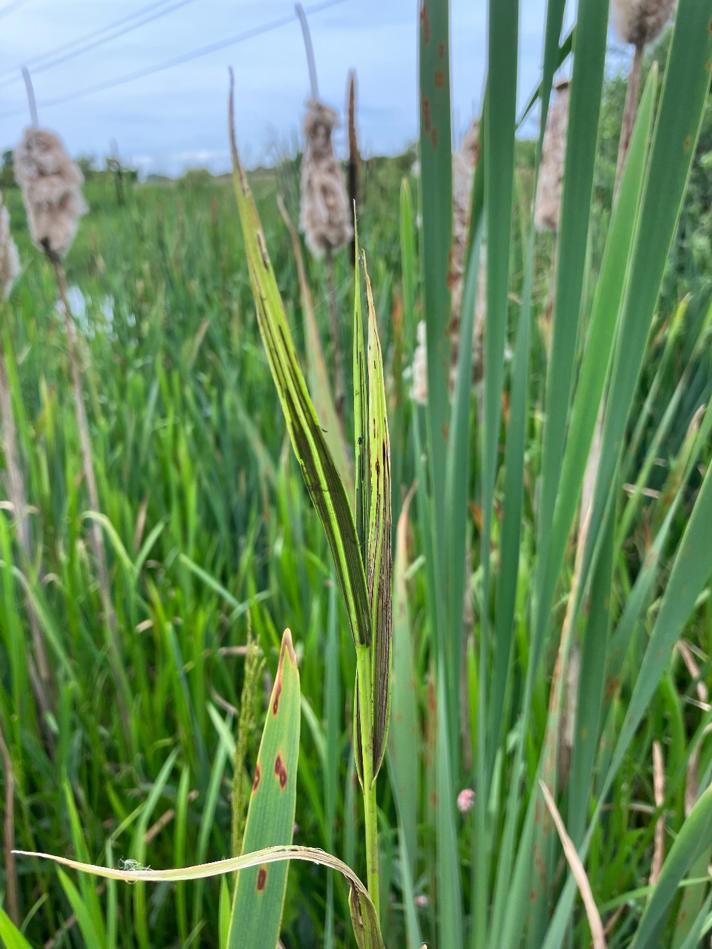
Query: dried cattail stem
[
  {"x": 96, "y": 539},
  {"x": 13, "y": 905},
  {"x": 629, "y": 113},
  {"x": 638, "y": 23},
  {"x": 31, "y": 101},
  {"x": 550, "y": 186},
  {"x": 309, "y": 50}
]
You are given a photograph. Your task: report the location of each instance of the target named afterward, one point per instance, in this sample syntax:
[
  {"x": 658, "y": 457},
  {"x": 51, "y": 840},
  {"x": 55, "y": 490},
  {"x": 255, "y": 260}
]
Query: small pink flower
[
  {"x": 421, "y": 901},
  {"x": 465, "y": 800}
]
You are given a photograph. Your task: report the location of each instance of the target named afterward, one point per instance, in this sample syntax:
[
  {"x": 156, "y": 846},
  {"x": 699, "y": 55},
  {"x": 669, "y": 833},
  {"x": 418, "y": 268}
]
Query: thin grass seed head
[
  {"x": 9, "y": 258},
  {"x": 51, "y": 185},
  {"x": 551, "y": 173},
  {"x": 639, "y": 22},
  {"x": 325, "y": 218}
]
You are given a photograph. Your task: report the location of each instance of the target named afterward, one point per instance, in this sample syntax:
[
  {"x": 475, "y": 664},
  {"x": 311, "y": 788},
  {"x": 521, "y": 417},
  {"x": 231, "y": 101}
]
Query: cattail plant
[
  {"x": 51, "y": 185},
  {"x": 464, "y": 163},
  {"x": 638, "y": 22},
  {"x": 9, "y": 271},
  {"x": 325, "y": 217}
]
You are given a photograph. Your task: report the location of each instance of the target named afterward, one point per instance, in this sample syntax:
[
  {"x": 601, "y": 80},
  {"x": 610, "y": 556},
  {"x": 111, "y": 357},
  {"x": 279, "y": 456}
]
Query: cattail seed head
[
  {"x": 553, "y": 156},
  {"x": 639, "y": 22},
  {"x": 51, "y": 185},
  {"x": 325, "y": 218},
  {"x": 9, "y": 258}
]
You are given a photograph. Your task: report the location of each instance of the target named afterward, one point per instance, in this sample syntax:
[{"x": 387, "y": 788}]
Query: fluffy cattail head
[
  {"x": 51, "y": 186},
  {"x": 551, "y": 172},
  {"x": 325, "y": 218},
  {"x": 9, "y": 258},
  {"x": 639, "y": 22}
]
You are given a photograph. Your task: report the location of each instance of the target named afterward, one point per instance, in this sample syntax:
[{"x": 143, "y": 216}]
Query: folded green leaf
[
  {"x": 321, "y": 476},
  {"x": 379, "y": 558}
]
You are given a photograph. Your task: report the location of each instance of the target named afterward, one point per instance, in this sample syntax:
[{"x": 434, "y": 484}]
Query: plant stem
[
  {"x": 309, "y": 50},
  {"x": 368, "y": 782}
]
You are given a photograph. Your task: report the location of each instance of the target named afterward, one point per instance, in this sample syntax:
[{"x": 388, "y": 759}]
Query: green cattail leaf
[
  {"x": 259, "y": 892},
  {"x": 687, "y": 79},
  {"x": 379, "y": 559},
  {"x": 405, "y": 736},
  {"x": 10, "y": 935},
  {"x": 326, "y": 489},
  {"x": 600, "y": 340},
  {"x": 692, "y": 840}
]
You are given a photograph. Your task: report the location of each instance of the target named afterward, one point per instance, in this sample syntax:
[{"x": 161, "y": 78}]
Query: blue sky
[{"x": 176, "y": 118}]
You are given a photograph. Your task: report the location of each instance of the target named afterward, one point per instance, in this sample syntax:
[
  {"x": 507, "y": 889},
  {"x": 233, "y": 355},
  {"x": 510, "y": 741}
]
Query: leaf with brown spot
[{"x": 270, "y": 817}]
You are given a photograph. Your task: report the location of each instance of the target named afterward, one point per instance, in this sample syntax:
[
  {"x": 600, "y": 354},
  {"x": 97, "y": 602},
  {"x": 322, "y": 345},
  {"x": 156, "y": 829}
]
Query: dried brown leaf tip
[
  {"x": 51, "y": 185},
  {"x": 639, "y": 22},
  {"x": 9, "y": 258},
  {"x": 553, "y": 156},
  {"x": 325, "y": 218}
]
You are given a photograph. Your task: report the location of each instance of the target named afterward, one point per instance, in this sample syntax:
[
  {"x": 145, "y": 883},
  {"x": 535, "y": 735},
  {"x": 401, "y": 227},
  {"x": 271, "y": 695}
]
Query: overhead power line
[
  {"x": 233, "y": 40},
  {"x": 90, "y": 41}
]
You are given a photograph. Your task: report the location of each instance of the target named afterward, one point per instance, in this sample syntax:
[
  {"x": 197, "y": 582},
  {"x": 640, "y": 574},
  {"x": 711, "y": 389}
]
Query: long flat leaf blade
[{"x": 259, "y": 892}]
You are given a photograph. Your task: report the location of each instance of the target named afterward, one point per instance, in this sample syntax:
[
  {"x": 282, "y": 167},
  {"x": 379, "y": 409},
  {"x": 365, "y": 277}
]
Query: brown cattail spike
[
  {"x": 553, "y": 156},
  {"x": 51, "y": 185},
  {"x": 9, "y": 258},
  {"x": 639, "y": 22}
]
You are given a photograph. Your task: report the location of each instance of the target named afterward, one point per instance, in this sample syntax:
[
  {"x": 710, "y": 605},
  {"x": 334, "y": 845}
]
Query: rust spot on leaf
[
  {"x": 434, "y": 138},
  {"x": 687, "y": 144},
  {"x": 426, "y": 113},
  {"x": 280, "y": 771},
  {"x": 441, "y": 50},
  {"x": 261, "y": 879},
  {"x": 424, "y": 23},
  {"x": 277, "y": 693},
  {"x": 256, "y": 782},
  {"x": 439, "y": 79}
]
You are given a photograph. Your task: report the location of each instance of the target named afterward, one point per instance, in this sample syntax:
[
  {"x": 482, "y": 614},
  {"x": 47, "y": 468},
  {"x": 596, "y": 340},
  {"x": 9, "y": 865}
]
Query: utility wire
[
  {"x": 77, "y": 47},
  {"x": 233, "y": 40}
]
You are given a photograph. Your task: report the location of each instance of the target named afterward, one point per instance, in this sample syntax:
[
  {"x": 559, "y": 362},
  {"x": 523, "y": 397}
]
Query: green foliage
[{"x": 209, "y": 533}]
